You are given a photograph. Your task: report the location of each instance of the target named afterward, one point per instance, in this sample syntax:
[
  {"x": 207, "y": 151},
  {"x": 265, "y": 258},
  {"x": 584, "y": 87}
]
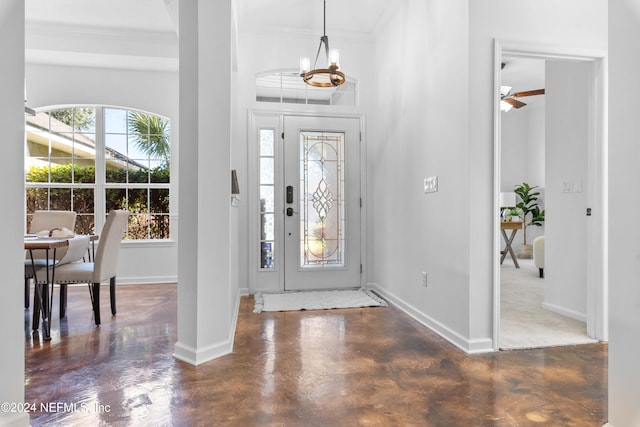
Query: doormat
[{"x": 317, "y": 300}]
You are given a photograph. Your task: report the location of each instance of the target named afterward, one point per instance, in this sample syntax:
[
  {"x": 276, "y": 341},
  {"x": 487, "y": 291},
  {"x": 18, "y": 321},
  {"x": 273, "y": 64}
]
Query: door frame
[
  {"x": 597, "y": 232},
  {"x": 276, "y": 283}
]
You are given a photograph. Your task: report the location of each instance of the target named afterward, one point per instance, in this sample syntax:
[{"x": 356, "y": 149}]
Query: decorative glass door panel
[
  {"x": 321, "y": 203},
  {"x": 322, "y": 199},
  {"x": 267, "y": 198}
]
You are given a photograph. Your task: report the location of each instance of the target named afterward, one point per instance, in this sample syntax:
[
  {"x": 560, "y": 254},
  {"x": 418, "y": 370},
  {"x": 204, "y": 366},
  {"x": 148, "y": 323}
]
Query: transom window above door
[{"x": 286, "y": 86}]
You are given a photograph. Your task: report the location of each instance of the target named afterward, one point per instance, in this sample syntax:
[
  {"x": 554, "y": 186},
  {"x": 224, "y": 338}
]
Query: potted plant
[
  {"x": 528, "y": 205},
  {"x": 514, "y": 214}
]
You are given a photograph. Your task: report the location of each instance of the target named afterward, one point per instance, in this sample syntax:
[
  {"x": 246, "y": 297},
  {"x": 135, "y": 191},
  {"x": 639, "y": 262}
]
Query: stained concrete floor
[{"x": 350, "y": 367}]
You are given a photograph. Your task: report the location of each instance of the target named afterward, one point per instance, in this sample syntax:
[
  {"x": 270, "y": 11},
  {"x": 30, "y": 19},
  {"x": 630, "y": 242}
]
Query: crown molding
[{"x": 47, "y": 29}]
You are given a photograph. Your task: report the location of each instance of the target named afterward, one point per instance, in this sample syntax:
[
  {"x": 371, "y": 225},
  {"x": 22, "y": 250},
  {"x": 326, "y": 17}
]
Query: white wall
[
  {"x": 536, "y": 146},
  {"x": 624, "y": 176},
  {"x": 418, "y": 129},
  {"x": 421, "y": 128},
  {"x": 147, "y": 90},
  {"x": 574, "y": 23},
  {"x": 567, "y": 118},
  {"x": 515, "y": 143},
  {"x": 536, "y": 159},
  {"x": 11, "y": 173}
]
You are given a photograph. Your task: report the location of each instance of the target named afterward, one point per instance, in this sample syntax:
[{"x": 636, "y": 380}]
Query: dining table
[{"x": 42, "y": 303}]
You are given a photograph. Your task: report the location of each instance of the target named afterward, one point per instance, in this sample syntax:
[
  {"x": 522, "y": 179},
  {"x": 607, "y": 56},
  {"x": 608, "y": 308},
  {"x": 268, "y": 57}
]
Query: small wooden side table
[{"x": 514, "y": 226}]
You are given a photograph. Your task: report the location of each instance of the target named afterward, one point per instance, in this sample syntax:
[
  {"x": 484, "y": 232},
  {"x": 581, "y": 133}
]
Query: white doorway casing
[{"x": 597, "y": 302}]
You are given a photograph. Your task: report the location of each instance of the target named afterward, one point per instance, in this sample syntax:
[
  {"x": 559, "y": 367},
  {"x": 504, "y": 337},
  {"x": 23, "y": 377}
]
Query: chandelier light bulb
[
  {"x": 305, "y": 65},
  {"x": 334, "y": 57}
]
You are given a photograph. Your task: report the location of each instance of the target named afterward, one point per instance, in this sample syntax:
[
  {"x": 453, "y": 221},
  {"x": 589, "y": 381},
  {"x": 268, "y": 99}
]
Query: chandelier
[{"x": 323, "y": 77}]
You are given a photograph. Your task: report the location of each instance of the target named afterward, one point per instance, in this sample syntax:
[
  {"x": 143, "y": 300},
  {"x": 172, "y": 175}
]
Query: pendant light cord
[
  {"x": 324, "y": 39},
  {"x": 324, "y": 28}
]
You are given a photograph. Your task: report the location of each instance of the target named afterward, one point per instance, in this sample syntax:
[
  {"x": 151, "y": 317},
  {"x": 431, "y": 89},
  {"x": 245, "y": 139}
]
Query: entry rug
[{"x": 317, "y": 300}]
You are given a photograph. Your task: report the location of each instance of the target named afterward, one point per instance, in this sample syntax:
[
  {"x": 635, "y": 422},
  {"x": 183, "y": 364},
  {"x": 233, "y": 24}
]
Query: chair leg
[
  {"x": 63, "y": 300},
  {"x": 541, "y": 271},
  {"x": 27, "y": 292},
  {"x": 96, "y": 302},
  {"x": 112, "y": 294}
]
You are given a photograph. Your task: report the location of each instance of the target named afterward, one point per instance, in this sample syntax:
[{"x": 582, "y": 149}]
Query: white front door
[{"x": 322, "y": 213}]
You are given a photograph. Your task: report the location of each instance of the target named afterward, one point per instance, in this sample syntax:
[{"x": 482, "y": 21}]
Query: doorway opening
[{"x": 566, "y": 185}]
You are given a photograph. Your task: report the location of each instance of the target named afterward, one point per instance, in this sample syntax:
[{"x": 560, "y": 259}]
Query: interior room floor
[
  {"x": 524, "y": 322},
  {"x": 372, "y": 366}
]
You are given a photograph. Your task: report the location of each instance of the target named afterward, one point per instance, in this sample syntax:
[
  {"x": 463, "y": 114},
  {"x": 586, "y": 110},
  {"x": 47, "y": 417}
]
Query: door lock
[
  {"x": 289, "y": 194},
  {"x": 290, "y": 212}
]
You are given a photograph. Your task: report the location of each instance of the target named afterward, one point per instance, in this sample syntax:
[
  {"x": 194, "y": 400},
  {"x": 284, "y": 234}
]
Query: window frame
[{"x": 101, "y": 186}]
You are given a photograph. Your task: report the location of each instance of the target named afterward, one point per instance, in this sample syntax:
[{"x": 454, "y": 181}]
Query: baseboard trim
[
  {"x": 581, "y": 317},
  {"x": 146, "y": 280},
  {"x": 475, "y": 346},
  {"x": 197, "y": 357},
  {"x": 480, "y": 345},
  {"x": 234, "y": 320}
]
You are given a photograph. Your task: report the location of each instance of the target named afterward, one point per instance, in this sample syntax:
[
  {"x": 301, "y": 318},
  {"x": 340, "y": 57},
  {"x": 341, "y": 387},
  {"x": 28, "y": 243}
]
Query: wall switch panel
[
  {"x": 571, "y": 186},
  {"x": 431, "y": 184},
  {"x": 424, "y": 279},
  {"x": 577, "y": 186}
]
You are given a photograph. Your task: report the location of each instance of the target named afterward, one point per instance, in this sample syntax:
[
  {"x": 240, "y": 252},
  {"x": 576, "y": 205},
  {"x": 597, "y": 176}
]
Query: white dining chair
[
  {"x": 41, "y": 221},
  {"x": 76, "y": 249},
  {"x": 103, "y": 267}
]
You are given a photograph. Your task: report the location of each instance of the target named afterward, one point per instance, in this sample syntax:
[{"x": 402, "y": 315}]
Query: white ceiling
[
  {"x": 360, "y": 18},
  {"x": 142, "y": 33},
  {"x": 300, "y": 16}
]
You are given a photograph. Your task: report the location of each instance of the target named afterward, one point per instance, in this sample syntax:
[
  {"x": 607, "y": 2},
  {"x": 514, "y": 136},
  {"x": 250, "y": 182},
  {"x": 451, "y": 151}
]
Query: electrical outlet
[{"x": 424, "y": 279}]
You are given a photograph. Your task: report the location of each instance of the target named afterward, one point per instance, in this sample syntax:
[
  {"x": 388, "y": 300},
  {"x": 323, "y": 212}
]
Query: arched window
[{"x": 95, "y": 159}]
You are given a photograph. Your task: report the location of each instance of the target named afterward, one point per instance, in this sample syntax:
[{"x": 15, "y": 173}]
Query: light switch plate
[{"x": 431, "y": 184}]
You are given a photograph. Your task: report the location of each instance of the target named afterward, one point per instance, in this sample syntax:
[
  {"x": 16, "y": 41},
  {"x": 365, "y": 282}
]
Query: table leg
[
  {"x": 41, "y": 300},
  {"x": 508, "y": 248},
  {"x": 37, "y": 296}
]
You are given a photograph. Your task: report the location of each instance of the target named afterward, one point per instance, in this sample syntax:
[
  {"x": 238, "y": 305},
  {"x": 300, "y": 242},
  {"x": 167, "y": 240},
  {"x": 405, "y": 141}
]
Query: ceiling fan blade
[
  {"x": 528, "y": 93},
  {"x": 515, "y": 103}
]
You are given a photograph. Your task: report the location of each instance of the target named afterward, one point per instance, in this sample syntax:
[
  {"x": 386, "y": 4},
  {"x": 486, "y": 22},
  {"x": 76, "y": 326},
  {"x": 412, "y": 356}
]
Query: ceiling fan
[{"x": 508, "y": 99}]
